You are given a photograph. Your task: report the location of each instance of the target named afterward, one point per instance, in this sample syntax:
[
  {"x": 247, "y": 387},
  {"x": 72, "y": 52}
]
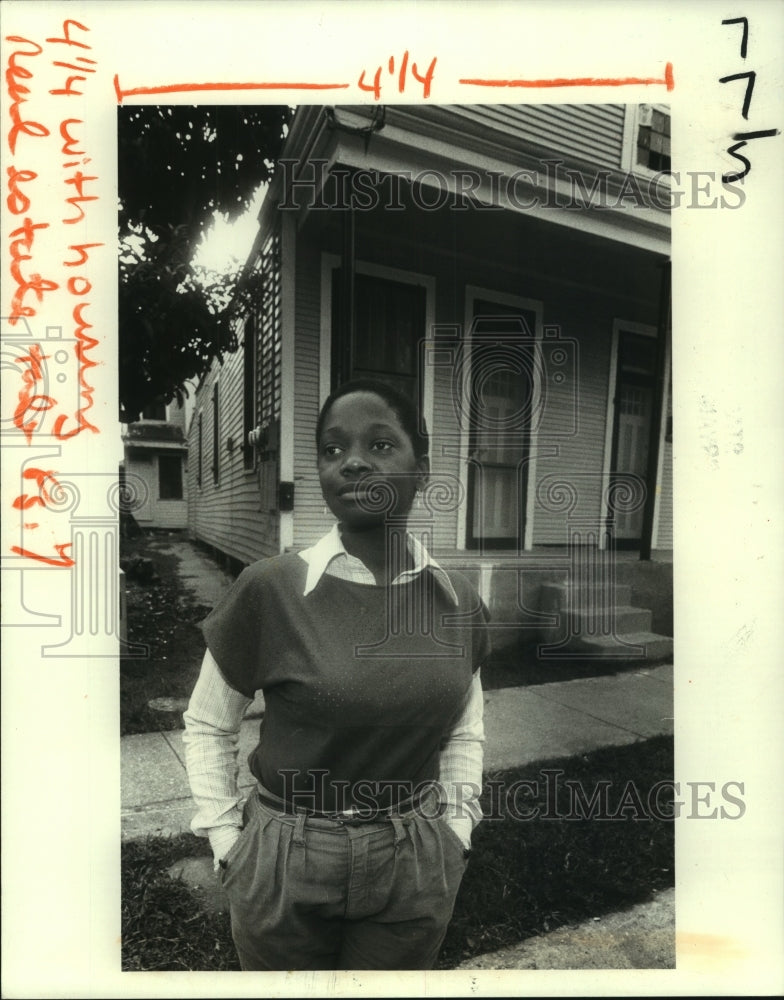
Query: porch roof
[{"x": 437, "y": 143}]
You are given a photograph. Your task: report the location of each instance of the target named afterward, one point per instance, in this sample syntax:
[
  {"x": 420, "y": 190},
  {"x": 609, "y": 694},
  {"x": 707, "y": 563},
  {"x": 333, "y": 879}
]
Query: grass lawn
[
  {"x": 525, "y": 876},
  {"x": 164, "y": 926},
  {"x": 529, "y": 876},
  {"x": 163, "y": 616}
]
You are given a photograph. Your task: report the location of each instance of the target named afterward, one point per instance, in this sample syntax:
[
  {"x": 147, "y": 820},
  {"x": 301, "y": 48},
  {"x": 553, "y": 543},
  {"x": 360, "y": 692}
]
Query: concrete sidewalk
[{"x": 522, "y": 726}]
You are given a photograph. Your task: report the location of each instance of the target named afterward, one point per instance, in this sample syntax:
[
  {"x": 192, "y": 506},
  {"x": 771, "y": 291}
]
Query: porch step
[
  {"x": 619, "y": 646},
  {"x": 588, "y": 606},
  {"x": 598, "y": 623},
  {"x": 560, "y": 596},
  {"x": 618, "y": 619},
  {"x": 645, "y": 645}
]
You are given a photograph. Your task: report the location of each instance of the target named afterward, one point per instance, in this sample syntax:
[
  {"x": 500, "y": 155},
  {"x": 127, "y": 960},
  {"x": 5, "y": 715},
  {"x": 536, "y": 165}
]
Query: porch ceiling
[{"x": 517, "y": 244}]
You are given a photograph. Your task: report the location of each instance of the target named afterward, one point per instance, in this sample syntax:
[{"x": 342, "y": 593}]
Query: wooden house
[
  {"x": 155, "y": 466},
  {"x": 508, "y": 266}
]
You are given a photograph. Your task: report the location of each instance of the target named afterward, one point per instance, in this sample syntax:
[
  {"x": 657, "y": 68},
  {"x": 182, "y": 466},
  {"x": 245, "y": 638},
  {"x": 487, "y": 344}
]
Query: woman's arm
[
  {"x": 461, "y": 765},
  {"x": 212, "y": 725}
]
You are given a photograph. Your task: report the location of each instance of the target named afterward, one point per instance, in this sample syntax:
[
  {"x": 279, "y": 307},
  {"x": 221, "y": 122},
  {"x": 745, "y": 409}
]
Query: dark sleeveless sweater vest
[{"x": 362, "y": 684}]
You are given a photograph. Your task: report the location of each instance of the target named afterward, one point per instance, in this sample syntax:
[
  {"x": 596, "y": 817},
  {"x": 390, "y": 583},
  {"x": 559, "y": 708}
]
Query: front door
[
  {"x": 500, "y": 394},
  {"x": 635, "y": 386}
]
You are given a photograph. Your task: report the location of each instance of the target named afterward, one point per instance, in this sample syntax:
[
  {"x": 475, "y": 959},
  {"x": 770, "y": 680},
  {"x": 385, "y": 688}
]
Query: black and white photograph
[
  {"x": 389, "y": 601},
  {"x": 489, "y": 287}
]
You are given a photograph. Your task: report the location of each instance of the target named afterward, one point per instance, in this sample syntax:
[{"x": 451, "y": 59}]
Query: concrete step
[
  {"x": 630, "y": 645},
  {"x": 539, "y": 598},
  {"x": 600, "y": 621},
  {"x": 555, "y": 596}
]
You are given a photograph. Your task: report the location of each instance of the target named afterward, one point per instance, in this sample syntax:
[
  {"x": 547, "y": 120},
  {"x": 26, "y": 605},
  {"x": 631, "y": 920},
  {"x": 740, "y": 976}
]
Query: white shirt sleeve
[
  {"x": 461, "y": 766},
  {"x": 212, "y": 725}
]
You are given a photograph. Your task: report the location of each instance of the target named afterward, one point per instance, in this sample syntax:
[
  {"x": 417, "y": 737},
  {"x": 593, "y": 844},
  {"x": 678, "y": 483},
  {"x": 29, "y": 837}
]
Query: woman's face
[{"x": 366, "y": 462}]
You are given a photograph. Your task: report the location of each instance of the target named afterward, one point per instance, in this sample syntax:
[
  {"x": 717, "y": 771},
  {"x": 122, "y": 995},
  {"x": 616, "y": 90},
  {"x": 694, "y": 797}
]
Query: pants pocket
[
  {"x": 246, "y": 848},
  {"x": 449, "y": 835}
]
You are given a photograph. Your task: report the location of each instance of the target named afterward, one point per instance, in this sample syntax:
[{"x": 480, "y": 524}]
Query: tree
[{"x": 177, "y": 166}]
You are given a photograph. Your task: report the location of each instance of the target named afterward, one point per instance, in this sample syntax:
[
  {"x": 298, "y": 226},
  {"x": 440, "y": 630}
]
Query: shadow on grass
[
  {"x": 525, "y": 876},
  {"x": 519, "y": 666},
  {"x": 164, "y": 617},
  {"x": 528, "y": 876},
  {"x": 164, "y": 926}
]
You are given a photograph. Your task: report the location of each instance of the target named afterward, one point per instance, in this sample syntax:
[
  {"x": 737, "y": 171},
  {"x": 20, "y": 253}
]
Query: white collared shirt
[{"x": 329, "y": 556}]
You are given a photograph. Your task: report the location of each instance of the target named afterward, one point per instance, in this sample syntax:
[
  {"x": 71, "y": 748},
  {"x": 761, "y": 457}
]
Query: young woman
[{"x": 350, "y": 852}]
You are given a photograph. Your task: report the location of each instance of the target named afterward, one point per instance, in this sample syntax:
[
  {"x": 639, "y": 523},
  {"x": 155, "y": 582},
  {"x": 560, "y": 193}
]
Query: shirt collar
[{"x": 319, "y": 556}]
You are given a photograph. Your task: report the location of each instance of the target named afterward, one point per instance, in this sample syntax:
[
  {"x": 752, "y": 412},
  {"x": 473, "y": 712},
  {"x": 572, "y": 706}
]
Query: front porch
[{"x": 575, "y": 601}]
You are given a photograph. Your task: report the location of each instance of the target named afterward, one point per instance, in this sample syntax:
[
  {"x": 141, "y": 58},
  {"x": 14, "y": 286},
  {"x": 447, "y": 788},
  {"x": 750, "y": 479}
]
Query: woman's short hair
[{"x": 412, "y": 422}]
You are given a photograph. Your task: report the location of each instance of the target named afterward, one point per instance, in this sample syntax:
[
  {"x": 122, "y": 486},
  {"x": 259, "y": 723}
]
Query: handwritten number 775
[{"x": 741, "y": 138}]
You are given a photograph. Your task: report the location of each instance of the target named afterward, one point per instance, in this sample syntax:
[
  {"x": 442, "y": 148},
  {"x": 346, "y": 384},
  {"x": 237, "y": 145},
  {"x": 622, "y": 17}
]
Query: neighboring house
[
  {"x": 155, "y": 466},
  {"x": 508, "y": 266}
]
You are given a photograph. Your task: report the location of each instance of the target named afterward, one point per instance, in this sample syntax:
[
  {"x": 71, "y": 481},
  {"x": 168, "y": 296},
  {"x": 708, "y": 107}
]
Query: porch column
[
  {"x": 288, "y": 333},
  {"x": 347, "y": 310},
  {"x": 665, "y": 307}
]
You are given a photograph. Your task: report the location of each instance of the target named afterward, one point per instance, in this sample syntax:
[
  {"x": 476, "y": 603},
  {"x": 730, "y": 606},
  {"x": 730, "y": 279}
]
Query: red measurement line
[
  {"x": 581, "y": 81},
  {"x": 184, "y": 88}
]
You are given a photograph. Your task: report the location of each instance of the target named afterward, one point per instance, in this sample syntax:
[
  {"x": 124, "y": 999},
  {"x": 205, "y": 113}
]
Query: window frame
[
  {"x": 155, "y": 406},
  {"x": 164, "y": 459},
  {"x": 249, "y": 408},
  {"x": 345, "y": 355},
  {"x": 216, "y": 434},
  {"x": 199, "y": 465},
  {"x": 631, "y": 127}
]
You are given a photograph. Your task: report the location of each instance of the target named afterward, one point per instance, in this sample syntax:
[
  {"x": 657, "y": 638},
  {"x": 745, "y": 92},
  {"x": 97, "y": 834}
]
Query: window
[
  {"x": 653, "y": 138},
  {"x": 215, "y": 436},
  {"x": 155, "y": 411},
  {"x": 389, "y": 322},
  {"x": 201, "y": 443},
  {"x": 170, "y": 477},
  {"x": 268, "y": 333},
  {"x": 249, "y": 390}
]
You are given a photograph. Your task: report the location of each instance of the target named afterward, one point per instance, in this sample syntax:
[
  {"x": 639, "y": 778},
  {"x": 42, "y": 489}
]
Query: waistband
[{"x": 354, "y": 816}]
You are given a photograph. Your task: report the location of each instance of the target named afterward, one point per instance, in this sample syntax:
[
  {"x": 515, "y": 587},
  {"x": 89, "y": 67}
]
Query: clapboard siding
[
  {"x": 238, "y": 514},
  {"x": 664, "y": 534},
  {"x": 310, "y": 521},
  {"x": 141, "y": 472},
  {"x": 171, "y": 514},
  {"x": 589, "y": 132},
  {"x": 226, "y": 514},
  {"x": 569, "y": 485},
  {"x": 664, "y": 538},
  {"x": 444, "y": 457}
]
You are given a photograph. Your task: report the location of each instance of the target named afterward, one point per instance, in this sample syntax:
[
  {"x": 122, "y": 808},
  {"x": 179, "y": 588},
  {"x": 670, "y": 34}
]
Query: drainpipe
[{"x": 665, "y": 306}]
